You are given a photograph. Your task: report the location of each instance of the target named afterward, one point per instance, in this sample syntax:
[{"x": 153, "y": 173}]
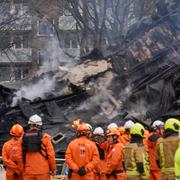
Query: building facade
[{"x": 29, "y": 31}]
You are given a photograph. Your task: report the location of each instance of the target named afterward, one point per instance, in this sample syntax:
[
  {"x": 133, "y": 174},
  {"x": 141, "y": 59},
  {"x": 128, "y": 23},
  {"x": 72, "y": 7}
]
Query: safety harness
[{"x": 32, "y": 142}]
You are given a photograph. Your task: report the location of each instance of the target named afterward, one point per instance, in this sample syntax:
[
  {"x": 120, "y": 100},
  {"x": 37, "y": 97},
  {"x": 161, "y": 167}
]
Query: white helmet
[
  {"x": 128, "y": 124},
  {"x": 157, "y": 123},
  {"x": 89, "y": 126},
  {"x": 35, "y": 119},
  {"x": 112, "y": 125},
  {"x": 98, "y": 131}
]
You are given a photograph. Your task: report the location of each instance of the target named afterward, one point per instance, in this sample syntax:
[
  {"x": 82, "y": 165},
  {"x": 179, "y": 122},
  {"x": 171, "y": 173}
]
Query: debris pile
[{"x": 140, "y": 78}]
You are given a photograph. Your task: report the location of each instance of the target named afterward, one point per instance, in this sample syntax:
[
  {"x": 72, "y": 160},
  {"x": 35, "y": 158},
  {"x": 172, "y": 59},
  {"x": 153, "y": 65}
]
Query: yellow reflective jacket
[
  {"x": 165, "y": 153},
  {"x": 133, "y": 154}
]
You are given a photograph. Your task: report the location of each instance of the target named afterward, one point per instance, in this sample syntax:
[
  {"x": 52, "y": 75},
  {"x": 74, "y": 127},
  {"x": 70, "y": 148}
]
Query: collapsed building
[{"x": 140, "y": 78}]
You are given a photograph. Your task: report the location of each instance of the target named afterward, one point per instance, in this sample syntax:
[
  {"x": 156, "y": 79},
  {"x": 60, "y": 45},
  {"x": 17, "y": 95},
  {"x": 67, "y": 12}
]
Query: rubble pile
[{"x": 140, "y": 78}]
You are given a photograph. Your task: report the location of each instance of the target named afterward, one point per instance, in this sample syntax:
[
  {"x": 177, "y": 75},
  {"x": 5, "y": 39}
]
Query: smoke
[
  {"x": 112, "y": 107},
  {"x": 39, "y": 89},
  {"x": 54, "y": 57},
  {"x": 139, "y": 109}
]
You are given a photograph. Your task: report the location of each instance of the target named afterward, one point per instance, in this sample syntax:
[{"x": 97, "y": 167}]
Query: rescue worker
[
  {"x": 167, "y": 147},
  {"x": 136, "y": 159},
  {"x": 12, "y": 154},
  {"x": 100, "y": 139},
  {"x": 82, "y": 155},
  {"x": 90, "y": 132},
  {"x": 127, "y": 136},
  {"x": 114, "y": 165},
  {"x": 39, "y": 155},
  {"x": 156, "y": 133}
]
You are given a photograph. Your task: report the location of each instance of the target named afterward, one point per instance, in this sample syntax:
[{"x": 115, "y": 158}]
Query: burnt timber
[{"x": 147, "y": 59}]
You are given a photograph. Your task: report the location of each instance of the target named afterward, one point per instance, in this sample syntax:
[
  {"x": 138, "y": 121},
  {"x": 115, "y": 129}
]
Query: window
[
  {"x": 45, "y": 27},
  {"x": 69, "y": 42},
  {"x": 44, "y": 58},
  {"x": 5, "y": 41},
  {"x": 21, "y": 41}
]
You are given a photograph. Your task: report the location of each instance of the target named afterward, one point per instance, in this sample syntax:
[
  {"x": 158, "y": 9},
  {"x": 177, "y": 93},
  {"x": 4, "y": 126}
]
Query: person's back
[
  {"x": 166, "y": 149},
  {"x": 38, "y": 162},
  {"x": 12, "y": 154},
  {"x": 156, "y": 133},
  {"x": 135, "y": 157},
  {"x": 38, "y": 151},
  {"x": 82, "y": 156}
]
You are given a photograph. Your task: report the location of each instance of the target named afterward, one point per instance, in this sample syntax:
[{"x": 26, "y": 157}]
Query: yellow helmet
[
  {"x": 137, "y": 129},
  {"x": 173, "y": 124}
]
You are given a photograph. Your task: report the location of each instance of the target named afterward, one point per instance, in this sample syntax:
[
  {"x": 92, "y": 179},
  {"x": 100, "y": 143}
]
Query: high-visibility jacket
[
  {"x": 165, "y": 153},
  {"x": 82, "y": 152},
  {"x": 177, "y": 163},
  {"x": 114, "y": 162},
  {"x": 37, "y": 163},
  {"x": 12, "y": 157},
  {"x": 133, "y": 155}
]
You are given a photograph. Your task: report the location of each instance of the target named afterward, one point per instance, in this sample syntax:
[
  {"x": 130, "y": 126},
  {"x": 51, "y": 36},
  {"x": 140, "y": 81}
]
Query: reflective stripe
[
  {"x": 132, "y": 173},
  {"x": 163, "y": 168}
]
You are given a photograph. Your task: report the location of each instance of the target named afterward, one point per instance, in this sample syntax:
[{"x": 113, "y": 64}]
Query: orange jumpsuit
[
  {"x": 114, "y": 162},
  {"x": 145, "y": 139},
  {"x": 155, "y": 173},
  {"x": 13, "y": 159},
  {"x": 36, "y": 165},
  {"x": 82, "y": 152},
  {"x": 123, "y": 139},
  {"x": 101, "y": 164}
]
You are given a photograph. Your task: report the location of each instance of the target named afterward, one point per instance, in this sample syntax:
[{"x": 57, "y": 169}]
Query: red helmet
[
  {"x": 16, "y": 130},
  {"x": 82, "y": 127},
  {"x": 83, "y": 130}
]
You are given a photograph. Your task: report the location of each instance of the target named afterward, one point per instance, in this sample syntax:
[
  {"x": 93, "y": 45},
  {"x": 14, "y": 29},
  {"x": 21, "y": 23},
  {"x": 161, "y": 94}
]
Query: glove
[
  {"x": 81, "y": 171},
  {"x": 140, "y": 167},
  {"x": 114, "y": 174},
  {"x": 16, "y": 174},
  {"x": 52, "y": 173},
  {"x": 70, "y": 173}
]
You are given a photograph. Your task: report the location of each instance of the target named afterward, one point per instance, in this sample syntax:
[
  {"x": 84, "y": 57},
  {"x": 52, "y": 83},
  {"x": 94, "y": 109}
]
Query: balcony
[{"x": 16, "y": 56}]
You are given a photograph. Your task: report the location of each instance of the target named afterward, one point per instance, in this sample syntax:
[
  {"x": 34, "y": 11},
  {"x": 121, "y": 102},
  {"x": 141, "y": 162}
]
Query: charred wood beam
[{"x": 61, "y": 100}]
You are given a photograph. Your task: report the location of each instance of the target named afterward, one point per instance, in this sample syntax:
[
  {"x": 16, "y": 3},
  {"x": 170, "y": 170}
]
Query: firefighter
[
  {"x": 100, "y": 139},
  {"x": 127, "y": 136},
  {"x": 102, "y": 145},
  {"x": 156, "y": 133},
  {"x": 38, "y": 152},
  {"x": 12, "y": 154},
  {"x": 114, "y": 165},
  {"x": 82, "y": 155},
  {"x": 135, "y": 157},
  {"x": 167, "y": 147}
]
